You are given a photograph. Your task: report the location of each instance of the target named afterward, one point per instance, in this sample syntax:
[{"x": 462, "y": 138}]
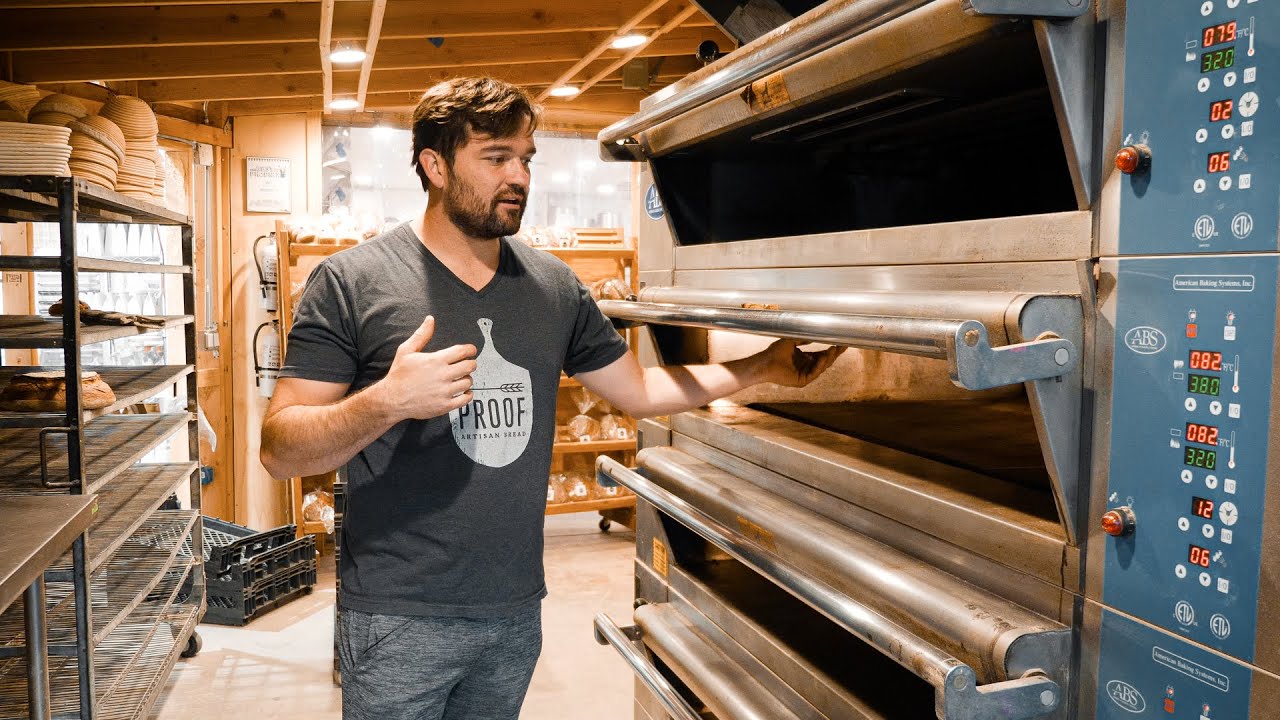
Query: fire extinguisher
[
  {"x": 267, "y": 358},
  {"x": 265, "y": 257}
]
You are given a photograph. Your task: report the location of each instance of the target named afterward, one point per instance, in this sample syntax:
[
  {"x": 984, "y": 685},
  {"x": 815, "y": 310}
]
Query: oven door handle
[
  {"x": 957, "y": 694},
  {"x": 608, "y": 633},
  {"x": 965, "y": 345}
]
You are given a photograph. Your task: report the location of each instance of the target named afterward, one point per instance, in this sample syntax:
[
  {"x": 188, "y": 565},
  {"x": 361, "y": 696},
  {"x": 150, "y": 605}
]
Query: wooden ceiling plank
[
  {"x": 617, "y": 64},
  {"x": 376, "y": 15},
  {"x": 160, "y": 63},
  {"x": 540, "y": 47},
  {"x": 247, "y": 87},
  {"x": 151, "y": 26},
  {"x": 525, "y": 74},
  {"x": 603, "y": 45},
  {"x": 416, "y": 19}
]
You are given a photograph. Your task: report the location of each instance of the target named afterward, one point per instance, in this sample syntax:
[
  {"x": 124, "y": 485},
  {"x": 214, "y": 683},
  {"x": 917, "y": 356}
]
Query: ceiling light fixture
[
  {"x": 625, "y": 42},
  {"x": 564, "y": 91},
  {"x": 344, "y": 104},
  {"x": 346, "y": 54}
]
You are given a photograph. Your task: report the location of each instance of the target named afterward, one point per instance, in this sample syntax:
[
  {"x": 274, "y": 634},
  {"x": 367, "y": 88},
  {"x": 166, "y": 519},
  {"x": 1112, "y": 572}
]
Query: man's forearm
[
  {"x": 314, "y": 439},
  {"x": 675, "y": 389}
]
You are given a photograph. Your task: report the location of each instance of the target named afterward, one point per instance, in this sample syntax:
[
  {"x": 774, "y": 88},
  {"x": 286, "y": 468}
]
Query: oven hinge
[{"x": 1027, "y": 8}]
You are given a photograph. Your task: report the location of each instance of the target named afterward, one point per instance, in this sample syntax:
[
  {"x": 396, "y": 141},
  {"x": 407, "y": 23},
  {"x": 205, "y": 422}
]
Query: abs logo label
[
  {"x": 1126, "y": 696},
  {"x": 1145, "y": 340},
  {"x": 653, "y": 203}
]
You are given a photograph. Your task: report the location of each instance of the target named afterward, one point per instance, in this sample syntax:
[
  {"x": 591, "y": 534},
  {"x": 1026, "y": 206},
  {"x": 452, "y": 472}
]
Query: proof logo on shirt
[{"x": 493, "y": 429}]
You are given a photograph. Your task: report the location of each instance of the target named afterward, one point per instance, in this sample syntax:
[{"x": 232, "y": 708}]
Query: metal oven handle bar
[
  {"x": 608, "y": 633},
  {"x": 957, "y": 696},
  {"x": 806, "y": 36},
  {"x": 964, "y": 344}
]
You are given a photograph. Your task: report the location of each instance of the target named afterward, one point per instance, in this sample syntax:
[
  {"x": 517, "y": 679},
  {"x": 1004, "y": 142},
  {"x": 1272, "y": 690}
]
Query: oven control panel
[
  {"x": 1200, "y": 127},
  {"x": 1190, "y": 414},
  {"x": 1145, "y": 673}
]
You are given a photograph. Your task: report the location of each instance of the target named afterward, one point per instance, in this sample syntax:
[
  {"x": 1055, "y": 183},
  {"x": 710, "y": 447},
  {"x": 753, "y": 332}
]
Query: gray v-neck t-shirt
[{"x": 444, "y": 516}]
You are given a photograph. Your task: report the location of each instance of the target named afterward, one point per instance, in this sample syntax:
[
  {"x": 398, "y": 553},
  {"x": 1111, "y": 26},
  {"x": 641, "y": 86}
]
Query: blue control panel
[
  {"x": 1144, "y": 673},
  {"x": 1189, "y": 431},
  {"x": 1201, "y": 79}
]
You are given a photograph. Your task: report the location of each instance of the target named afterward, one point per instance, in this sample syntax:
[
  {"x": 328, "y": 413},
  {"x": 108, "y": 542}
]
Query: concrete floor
[{"x": 279, "y": 666}]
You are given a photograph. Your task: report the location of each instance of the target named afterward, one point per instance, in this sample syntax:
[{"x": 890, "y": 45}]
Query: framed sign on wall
[{"x": 268, "y": 186}]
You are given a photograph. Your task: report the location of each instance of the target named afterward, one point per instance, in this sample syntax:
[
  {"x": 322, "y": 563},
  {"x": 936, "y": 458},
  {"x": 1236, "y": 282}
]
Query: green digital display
[
  {"x": 1204, "y": 384},
  {"x": 1198, "y": 457},
  {"x": 1218, "y": 59}
]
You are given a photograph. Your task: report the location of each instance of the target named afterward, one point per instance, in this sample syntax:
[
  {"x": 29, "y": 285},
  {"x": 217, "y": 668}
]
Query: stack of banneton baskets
[
  {"x": 141, "y": 172},
  {"x": 97, "y": 150},
  {"x": 27, "y": 149},
  {"x": 15, "y": 100}
]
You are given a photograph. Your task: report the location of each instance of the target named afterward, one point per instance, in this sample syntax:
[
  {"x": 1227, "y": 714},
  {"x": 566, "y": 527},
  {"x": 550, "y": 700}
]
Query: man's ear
[{"x": 434, "y": 166}]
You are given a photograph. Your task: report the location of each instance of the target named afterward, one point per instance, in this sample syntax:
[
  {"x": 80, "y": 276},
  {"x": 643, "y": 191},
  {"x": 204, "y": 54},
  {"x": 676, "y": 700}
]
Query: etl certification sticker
[{"x": 653, "y": 203}]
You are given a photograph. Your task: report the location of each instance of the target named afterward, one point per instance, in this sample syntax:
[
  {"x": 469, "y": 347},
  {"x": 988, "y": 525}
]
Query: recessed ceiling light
[
  {"x": 346, "y": 54},
  {"x": 628, "y": 41},
  {"x": 564, "y": 91},
  {"x": 344, "y": 104}
]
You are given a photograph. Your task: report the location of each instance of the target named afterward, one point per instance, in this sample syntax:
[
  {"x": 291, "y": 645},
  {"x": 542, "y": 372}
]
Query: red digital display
[
  {"x": 1202, "y": 508},
  {"x": 1219, "y": 162},
  {"x": 1206, "y": 434},
  {"x": 1218, "y": 34},
  {"x": 1198, "y": 556},
  {"x": 1221, "y": 110},
  {"x": 1206, "y": 360}
]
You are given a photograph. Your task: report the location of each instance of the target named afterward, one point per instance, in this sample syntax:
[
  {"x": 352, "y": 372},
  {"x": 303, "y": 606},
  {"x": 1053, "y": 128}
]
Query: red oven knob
[
  {"x": 1133, "y": 159},
  {"x": 1119, "y": 522}
]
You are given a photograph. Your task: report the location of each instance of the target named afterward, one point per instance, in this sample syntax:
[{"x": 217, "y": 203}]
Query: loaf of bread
[{"x": 47, "y": 392}]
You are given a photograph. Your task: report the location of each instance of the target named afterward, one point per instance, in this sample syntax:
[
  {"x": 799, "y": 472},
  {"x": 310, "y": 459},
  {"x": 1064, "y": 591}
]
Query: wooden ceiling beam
[
  {"x": 525, "y": 74},
  {"x": 376, "y": 15},
  {"x": 604, "y": 44},
  {"x": 218, "y": 24},
  {"x": 324, "y": 46},
  {"x": 540, "y": 47},
  {"x": 616, "y": 65},
  {"x": 45, "y": 66},
  {"x": 56, "y": 28},
  {"x": 162, "y": 63},
  {"x": 410, "y": 83}
]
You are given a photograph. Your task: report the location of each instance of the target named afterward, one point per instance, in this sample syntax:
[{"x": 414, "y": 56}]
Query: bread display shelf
[
  {"x": 34, "y": 198},
  {"x": 324, "y": 250},
  {"x": 624, "y": 501},
  {"x": 111, "y": 445},
  {"x": 21, "y": 332},
  {"x": 51, "y": 263},
  {"x": 130, "y": 384},
  {"x": 594, "y": 446}
]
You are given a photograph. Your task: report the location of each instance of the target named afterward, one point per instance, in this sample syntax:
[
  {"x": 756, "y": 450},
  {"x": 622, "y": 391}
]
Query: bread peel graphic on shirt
[{"x": 493, "y": 429}]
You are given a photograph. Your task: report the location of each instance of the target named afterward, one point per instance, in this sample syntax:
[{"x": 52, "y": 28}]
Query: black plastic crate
[
  {"x": 232, "y": 604},
  {"x": 227, "y": 544},
  {"x": 266, "y": 564}
]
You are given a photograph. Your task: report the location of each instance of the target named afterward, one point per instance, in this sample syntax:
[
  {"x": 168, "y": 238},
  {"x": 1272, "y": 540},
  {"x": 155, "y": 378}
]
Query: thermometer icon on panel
[
  {"x": 1231, "y": 455},
  {"x": 1251, "y": 34},
  {"x": 1235, "y": 384}
]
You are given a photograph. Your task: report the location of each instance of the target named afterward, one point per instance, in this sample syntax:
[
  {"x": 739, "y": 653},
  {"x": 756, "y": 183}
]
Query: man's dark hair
[{"x": 453, "y": 110}]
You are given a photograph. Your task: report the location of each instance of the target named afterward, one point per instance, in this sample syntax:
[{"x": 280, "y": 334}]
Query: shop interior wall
[{"x": 261, "y": 501}]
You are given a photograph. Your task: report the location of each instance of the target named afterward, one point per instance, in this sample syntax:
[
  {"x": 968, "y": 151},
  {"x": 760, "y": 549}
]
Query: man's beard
[{"x": 476, "y": 217}]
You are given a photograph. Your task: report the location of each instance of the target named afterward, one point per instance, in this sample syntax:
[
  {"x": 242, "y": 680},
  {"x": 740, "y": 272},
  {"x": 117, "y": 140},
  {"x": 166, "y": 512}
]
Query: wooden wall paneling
[
  {"x": 18, "y": 294},
  {"x": 261, "y": 501}
]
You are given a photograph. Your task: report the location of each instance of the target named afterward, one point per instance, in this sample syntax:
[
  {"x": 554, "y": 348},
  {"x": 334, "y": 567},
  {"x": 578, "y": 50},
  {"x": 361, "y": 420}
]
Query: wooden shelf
[
  {"x": 594, "y": 446},
  {"x": 310, "y": 527},
  {"x": 23, "y": 332},
  {"x": 34, "y": 198},
  {"x": 591, "y": 505},
  {"x": 298, "y": 250},
  {"x": 591, "y": 253}
]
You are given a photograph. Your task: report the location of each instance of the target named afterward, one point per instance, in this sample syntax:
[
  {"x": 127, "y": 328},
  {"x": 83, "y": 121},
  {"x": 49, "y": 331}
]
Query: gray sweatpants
[{"x": 436, "y": 668}]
